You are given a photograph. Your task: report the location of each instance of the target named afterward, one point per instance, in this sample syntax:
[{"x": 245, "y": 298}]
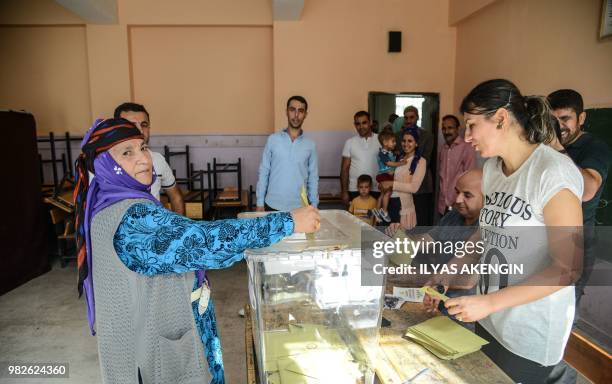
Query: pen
[{"x": 411, "y": 380}]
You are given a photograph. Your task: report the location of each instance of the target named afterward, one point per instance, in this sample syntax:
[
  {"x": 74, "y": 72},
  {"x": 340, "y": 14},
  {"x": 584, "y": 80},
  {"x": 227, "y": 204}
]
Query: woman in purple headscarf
[{"x": 142, "y": 267}]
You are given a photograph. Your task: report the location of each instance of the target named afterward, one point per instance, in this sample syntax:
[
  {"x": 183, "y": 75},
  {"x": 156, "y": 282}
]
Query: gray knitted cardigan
[{"x": 143, "y": 323}]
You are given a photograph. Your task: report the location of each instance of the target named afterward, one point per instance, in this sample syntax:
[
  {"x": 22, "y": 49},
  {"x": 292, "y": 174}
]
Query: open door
[{"x": 382, "y": 104}]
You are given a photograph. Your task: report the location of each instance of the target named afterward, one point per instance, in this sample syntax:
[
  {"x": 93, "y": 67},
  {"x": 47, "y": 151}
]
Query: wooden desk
[
  {"x": 231, "y": 200},
  {"x": 397, "y": 359},
  {"x": 588, "y": 358},
  {"x": 249, "y": 346},
  {"x": 61, "y": 210},
  {"x": 220, "y": 204},
  {"x": 62, "y": 202}
]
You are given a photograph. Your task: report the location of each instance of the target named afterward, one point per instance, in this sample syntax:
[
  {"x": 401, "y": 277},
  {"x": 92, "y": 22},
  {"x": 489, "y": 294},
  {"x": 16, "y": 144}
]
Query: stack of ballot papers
[
  {"x": 445, "y": 338},
  {"x": 309, "y": 353}
]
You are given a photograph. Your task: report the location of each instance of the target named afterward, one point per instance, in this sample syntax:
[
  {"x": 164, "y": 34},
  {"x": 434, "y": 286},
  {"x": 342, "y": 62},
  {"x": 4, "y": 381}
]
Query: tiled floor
[{"x": 44, "y": 321}]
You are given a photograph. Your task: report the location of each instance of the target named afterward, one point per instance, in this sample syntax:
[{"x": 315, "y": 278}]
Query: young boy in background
[{"x": 362, "y": 204}]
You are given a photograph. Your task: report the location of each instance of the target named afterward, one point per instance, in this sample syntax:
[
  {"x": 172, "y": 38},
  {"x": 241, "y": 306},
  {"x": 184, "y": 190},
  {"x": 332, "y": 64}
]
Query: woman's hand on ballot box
[{"x": 306, "y": 219}]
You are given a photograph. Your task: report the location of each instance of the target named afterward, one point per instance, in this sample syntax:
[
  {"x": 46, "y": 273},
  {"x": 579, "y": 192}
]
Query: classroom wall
[
  {"x": 109, "y": 74},
  {"x": 204, "y": 79},
  {"x": 213, "y": 56},
  {"x": 44, "y": 71},
  {"x": 337, "y": 53},
  {"x": 31, "y": 12},
  {"x": 540, "y": 45},
  {"x": 167, "y": 55},
  {"x": 195, "y": 12},
  {"x": 318, "y": 56},
  {"x": 214, "y": 67},
  {"x": 461, "y": 9}
]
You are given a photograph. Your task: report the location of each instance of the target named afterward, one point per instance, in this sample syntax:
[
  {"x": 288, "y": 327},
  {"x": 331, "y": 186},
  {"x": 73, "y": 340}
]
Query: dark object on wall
[
  {"x": 395, "y": 41},
  {"x": 23, "y": 228}
]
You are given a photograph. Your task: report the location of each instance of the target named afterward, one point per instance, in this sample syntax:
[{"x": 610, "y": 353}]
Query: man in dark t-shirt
[{"x": 592, "y": 156}]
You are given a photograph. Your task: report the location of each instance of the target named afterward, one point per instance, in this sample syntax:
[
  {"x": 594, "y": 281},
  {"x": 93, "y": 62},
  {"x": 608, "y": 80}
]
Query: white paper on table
[{"x": 413, "y": 295}]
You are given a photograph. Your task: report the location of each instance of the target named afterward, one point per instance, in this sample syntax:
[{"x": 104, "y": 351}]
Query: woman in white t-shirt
[{"x": 532, "y": 219}]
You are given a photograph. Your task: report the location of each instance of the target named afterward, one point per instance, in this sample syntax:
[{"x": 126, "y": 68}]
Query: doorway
[{"x": 381, "y": 105}]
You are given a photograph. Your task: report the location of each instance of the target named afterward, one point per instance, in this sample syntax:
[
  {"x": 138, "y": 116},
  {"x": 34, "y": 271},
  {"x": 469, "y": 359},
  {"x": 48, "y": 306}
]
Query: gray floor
[{"x": 44, "y": 321}]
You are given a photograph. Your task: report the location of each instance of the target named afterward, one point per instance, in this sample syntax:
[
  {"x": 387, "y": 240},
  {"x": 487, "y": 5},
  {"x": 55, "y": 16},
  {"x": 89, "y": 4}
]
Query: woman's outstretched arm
[{"x": 152, "y": 240}]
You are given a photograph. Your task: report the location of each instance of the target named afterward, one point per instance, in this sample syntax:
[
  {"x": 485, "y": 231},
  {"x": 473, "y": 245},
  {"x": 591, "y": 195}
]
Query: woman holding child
[{"x": 407, "y": 180}]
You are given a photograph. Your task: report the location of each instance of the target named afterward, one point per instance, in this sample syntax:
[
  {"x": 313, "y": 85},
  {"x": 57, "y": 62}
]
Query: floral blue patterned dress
[{"x": 152, "y": 240}]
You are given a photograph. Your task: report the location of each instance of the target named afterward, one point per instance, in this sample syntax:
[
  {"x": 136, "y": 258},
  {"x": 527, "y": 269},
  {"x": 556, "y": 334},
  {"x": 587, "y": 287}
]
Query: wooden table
[
  {"x": 249, "y": 346},
  {"x": 397, "y": 359},
  {"x": 61, "y": 211}
]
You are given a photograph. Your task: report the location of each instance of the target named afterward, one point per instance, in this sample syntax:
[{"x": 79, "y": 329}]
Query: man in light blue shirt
[{"x": 289, "y": 161}]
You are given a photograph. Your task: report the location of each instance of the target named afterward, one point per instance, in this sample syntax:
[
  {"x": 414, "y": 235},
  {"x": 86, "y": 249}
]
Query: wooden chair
[
  {"x": 61, "y": 212},
  {"x": 168, "y": 155},
  {"x": 197, "y": 198},
  {"x": 229, "y": 197},
  {"x": 65, "y": 159},
  {"x": 329, "y": 198},
  {"x": 251, "y": 199}
]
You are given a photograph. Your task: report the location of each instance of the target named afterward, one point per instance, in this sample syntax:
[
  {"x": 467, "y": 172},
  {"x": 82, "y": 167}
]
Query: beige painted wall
[
  {"x": 109, "y": 75},
  {"x": 69, "y": 74},
  {"x": 461, "y": 9},
  {"x": 44, "y": 71},
  {"x": 204, "y": 79},
  {"x": 197, "y": 12},
  {"x": 35, "y": 12},
  {"x": 541, "y": 45},
  {"x": 71, "y": 78},
  {"x": 337, "y": 53}
]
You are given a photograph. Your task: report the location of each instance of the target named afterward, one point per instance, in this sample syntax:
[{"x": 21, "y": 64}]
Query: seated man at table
[{"x": 456, "y": 226}]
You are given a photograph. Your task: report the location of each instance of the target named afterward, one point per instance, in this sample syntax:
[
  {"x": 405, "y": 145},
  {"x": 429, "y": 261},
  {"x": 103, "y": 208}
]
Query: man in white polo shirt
[{"x": 359, "y": 158}]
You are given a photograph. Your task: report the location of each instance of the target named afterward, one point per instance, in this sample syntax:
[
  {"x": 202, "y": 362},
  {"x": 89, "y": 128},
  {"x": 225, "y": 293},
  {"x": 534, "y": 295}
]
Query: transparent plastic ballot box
[{"x": 312, "y": 317}]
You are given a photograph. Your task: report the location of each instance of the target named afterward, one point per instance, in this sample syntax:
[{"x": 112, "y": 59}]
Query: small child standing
[
  {"x": 387, "y": 162},
  {"x": 362, "y": 204}
]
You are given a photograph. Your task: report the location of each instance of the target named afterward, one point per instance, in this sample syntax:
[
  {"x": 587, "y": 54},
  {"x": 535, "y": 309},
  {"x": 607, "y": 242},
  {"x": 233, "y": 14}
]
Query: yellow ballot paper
[
  {"x": 308, "y": 353},
  {"x": 433, "y": 293},
  {"x": 445, "y": 338},
  {"x": 304, "y": 197},
  {"x": 401, "y": 258}
]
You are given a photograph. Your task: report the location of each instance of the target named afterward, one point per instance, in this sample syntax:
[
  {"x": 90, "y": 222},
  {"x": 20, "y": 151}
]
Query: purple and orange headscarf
[{"x": 110, "y": 185}]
